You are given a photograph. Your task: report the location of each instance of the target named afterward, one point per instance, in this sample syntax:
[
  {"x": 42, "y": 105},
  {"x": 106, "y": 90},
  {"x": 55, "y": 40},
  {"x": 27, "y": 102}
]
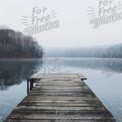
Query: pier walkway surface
[{"x": 60, "y": 98}]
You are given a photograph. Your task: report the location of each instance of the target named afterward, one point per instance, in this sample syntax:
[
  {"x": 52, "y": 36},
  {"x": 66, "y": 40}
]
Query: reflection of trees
[
  {"x": 113, "y": 65},
  {"x": 14, "y": 72}
]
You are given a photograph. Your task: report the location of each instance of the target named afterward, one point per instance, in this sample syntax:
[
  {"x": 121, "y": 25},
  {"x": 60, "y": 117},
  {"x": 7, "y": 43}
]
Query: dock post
[
  {"x": 28, "y": 86},
  {"x": 31, "y": 84}
]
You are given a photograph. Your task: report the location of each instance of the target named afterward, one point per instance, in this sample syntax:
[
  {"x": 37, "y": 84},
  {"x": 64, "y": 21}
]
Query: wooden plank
[
  {"x": 60, "y": 97},
  {"x": 53, "y": 120},
  {"x": 61, "y": 104},
  {"x": 33, "y": 116},
  {"x": 57, "y": 75}
]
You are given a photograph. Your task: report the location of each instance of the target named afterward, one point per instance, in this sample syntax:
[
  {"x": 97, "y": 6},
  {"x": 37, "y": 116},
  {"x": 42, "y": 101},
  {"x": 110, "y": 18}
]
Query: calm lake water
[{"x": 104, "y": 78}]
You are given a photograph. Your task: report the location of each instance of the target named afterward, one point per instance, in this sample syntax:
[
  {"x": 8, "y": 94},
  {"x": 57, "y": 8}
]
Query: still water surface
[{"x": 104, "y": 78}]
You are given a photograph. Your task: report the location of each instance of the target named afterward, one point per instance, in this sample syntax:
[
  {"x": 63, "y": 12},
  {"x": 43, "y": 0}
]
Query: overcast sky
[{"x": 75, "y": 29}]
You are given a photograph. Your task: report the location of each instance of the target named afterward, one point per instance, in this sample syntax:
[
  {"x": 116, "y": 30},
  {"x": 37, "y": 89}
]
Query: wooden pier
[{"x": 59, "y": 98}]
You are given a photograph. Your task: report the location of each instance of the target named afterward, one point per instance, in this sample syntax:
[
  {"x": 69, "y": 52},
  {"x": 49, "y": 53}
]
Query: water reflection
[
  {"x": 2, "y": 84},
  {"x": 113, "y": 65},
  {"x": 15, "y": 71}
]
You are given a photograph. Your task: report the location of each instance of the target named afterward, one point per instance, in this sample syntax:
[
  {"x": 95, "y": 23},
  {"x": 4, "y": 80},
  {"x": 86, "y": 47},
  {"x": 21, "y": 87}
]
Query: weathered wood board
[{"x": 60, "y": 98}]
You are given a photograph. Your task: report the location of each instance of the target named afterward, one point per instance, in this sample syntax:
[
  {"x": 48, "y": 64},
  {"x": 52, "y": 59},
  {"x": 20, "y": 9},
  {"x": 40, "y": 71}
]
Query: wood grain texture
[{"x": 60, "y": 98}]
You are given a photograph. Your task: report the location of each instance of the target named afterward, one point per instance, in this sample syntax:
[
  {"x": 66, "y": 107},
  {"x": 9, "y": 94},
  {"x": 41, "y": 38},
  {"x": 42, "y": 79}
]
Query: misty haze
[{"x": 60, "y": 40}]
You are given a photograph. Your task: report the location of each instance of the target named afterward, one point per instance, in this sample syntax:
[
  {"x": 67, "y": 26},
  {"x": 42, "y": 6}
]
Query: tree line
[
  {"x": 15, "y": 44},
  {"x": 111, "y": 51},
  {"x": 114, "y": 51}
]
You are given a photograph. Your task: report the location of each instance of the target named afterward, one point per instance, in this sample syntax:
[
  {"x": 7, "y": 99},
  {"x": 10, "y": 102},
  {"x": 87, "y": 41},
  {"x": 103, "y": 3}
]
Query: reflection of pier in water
[{"x": 2, "y": 85}]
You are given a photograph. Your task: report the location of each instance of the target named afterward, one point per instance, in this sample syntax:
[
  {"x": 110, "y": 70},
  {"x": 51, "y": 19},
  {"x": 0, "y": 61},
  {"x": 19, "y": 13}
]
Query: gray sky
[{"x": 74, "y": 29}]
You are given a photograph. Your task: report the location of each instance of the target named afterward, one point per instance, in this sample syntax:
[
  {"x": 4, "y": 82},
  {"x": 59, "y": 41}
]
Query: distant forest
[
  {"x": 113, "y": 51},
  {"x": 17, "y": 45}
]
